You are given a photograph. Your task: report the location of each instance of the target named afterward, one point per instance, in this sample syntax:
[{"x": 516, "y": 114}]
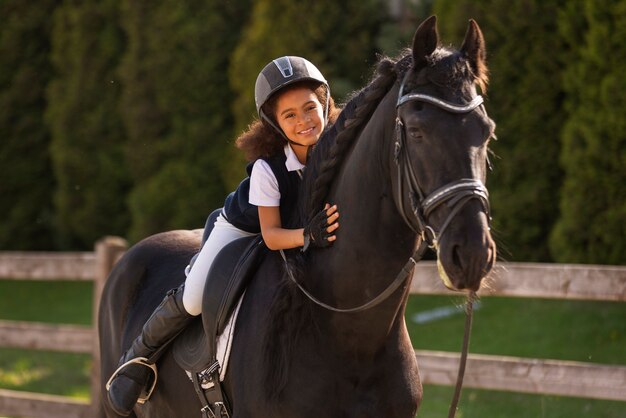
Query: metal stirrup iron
[{"x": 143, "y": 361}]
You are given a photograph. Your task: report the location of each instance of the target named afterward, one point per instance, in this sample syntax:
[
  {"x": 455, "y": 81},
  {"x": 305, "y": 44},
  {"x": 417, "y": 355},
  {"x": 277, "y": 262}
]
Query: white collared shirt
[{"x": 263, "y": 184}]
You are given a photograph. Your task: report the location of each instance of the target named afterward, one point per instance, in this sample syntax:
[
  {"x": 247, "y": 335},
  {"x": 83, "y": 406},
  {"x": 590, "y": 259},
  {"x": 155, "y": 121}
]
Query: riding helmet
[{"x": 282, "y": 72}]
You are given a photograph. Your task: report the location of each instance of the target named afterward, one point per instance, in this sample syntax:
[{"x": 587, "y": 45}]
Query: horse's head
[{"x": 443, "y": 133}]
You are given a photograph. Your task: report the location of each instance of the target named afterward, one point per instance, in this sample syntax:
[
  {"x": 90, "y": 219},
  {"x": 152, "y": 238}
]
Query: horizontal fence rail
[
  {"x": 27, "y": 404},
  {"x": 535, "y": 376},
  {"x": 51, "y": 337},
  {"x": 536, "y": 280},
  {"x": 47, "y": 265},
  {"x": 525, "y": 280}
]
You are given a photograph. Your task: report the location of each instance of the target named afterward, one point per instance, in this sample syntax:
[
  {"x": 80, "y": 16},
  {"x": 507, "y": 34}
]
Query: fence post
[{"x": 108, "y": 251}]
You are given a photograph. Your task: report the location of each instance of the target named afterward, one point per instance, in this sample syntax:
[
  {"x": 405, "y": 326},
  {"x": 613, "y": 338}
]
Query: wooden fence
[
  {"x": 92, "y": 266},
  {"x": 537, "y": 376}
]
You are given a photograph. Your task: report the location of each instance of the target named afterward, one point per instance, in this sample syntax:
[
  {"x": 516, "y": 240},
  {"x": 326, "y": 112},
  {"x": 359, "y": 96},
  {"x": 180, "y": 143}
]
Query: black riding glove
[{"x": 316, "y": 232}]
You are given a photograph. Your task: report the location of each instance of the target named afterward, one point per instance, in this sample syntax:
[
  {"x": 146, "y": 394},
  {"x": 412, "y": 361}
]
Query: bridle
[{"x": 456, "y": 194}]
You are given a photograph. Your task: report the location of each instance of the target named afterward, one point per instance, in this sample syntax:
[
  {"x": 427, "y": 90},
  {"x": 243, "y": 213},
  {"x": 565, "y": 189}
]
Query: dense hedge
[
  {"x": 592, "y": 226},
  {"x": 26, "y": 180},
  {"x": 175, "y": 106},
  {"x": 525, "y": 55},
  {"x": 338, "y": 37},
  {"x": 118, "y": 116},
  {"x": 87, "y": 131}
]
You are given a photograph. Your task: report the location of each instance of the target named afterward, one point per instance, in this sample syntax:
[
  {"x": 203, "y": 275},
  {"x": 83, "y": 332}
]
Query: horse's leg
[
  {"x": 116, "y": 299},
  {"x": 174, "y": 396}
]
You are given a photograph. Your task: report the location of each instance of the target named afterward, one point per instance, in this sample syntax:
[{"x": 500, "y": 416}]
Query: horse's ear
[
  {"x": 425, "y": 41},
  {"x": 474, "y": 50}
]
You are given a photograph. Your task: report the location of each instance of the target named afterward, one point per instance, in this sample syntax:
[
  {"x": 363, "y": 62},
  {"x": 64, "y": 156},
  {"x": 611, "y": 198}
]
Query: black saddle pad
[{"x": 195, "y": 348}]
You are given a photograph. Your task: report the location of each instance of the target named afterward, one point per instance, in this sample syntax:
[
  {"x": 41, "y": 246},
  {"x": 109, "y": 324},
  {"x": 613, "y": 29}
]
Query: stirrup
[{"x": 144, "y": 362}]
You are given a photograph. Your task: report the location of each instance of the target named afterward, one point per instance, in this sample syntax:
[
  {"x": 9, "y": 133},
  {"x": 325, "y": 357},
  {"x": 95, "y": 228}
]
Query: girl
[{"x": 294, "y": 105}]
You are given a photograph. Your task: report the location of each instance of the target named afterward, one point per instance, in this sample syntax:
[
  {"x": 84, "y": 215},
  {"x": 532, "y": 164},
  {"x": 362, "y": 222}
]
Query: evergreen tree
[
  {"x": 176, "y": 106},
  {"x": 87, "y": 131},
  {"x": 525, "y": 98},
  {"x": 592, "y": 227},
  {"x": 26, "y": 180},
  {"x": 397, "y": 34},
  {"x": 338, "y": 37}
]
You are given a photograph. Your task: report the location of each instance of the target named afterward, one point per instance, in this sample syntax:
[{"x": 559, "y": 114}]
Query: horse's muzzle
[{"x": 467, "y": 254}]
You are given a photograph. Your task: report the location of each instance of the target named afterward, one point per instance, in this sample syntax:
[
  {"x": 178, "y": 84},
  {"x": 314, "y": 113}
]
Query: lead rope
[{"x": 469, "y": 309}]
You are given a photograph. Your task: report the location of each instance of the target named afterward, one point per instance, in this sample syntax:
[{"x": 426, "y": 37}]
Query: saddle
[{"x": 196, "y": 349}]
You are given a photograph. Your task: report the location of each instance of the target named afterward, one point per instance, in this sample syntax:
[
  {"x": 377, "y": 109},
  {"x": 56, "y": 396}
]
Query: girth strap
[{"x": 213, "y": 400}]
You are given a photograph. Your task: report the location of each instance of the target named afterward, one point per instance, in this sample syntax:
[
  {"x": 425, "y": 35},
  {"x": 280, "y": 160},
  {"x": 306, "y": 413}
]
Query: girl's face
[{"x": 300, "y": 115}]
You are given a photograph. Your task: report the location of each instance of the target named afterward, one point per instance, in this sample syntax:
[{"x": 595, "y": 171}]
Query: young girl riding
[{"x": 294, "y": 105}]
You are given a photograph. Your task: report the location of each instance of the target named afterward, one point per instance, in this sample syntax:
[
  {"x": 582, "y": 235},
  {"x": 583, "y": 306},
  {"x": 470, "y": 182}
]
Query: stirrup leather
[{"x": 144, "y": 362}]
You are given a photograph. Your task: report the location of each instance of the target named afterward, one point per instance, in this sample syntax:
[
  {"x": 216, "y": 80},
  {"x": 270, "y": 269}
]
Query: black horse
[{"x": 405, "y": 163}]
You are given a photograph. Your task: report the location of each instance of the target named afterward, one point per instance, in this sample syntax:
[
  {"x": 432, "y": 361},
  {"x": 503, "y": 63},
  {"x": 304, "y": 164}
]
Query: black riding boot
[{"x": 137, "y": 364}]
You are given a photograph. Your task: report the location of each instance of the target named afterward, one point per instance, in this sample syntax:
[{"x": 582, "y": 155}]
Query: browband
[{"x": 450, "y": 107}]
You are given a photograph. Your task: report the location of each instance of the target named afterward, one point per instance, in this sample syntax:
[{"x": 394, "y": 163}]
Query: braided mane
[{"x": 329, "y": 152}]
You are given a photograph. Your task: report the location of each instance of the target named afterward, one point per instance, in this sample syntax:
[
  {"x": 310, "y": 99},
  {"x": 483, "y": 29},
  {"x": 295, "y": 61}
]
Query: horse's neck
[
  {"x": 370, "y": 223},
  {"x": 372, "y": 241}
]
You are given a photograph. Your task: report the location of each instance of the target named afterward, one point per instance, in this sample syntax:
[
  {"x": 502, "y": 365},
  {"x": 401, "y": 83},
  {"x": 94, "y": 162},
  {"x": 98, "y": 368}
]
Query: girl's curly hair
[{"x": 261, "y": 140}]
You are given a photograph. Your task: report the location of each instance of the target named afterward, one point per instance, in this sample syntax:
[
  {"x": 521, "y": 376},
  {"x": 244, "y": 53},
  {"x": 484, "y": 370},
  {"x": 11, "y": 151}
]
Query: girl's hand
[{"x": 319, "y": 231}]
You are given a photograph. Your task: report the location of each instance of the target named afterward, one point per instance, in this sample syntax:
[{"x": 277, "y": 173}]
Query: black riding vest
[{"x": 245, "y": 216}]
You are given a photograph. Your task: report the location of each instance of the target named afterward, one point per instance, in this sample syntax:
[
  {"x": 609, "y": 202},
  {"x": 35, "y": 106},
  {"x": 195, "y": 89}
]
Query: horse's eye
[{"x": 415, "y": 133}]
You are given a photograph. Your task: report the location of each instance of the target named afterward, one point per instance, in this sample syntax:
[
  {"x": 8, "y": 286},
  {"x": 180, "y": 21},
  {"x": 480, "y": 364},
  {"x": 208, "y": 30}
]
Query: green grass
[
  {"x": 64, "y": 302},
  {"x": 567, "y": 330},
  {"x": 556, "y": 329},
  {"x": 492, "y": 404},
  {"x": 64, "y": 374}
]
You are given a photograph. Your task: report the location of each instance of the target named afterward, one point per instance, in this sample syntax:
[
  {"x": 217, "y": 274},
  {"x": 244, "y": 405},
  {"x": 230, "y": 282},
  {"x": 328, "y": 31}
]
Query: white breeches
[{"x": 222, "y": 234}]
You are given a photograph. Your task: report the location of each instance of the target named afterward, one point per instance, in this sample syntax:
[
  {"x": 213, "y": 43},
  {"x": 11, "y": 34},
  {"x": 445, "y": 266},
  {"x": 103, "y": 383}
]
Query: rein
[
  {"x": 397, "y": 282},
  {"x": 469, "y": 311}
]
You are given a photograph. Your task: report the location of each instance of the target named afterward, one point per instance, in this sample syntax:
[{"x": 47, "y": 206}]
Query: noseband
[{"x": 456, "y": 194}]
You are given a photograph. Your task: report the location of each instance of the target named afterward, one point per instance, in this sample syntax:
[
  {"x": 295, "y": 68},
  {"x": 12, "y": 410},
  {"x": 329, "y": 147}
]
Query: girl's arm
[{"x": 278, "y": 238}]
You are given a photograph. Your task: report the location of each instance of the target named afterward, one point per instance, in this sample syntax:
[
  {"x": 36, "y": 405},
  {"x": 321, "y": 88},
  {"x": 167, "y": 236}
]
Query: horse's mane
[
  {"x": 290, "y": 314},
  {"x": 328, "y": 154}
]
